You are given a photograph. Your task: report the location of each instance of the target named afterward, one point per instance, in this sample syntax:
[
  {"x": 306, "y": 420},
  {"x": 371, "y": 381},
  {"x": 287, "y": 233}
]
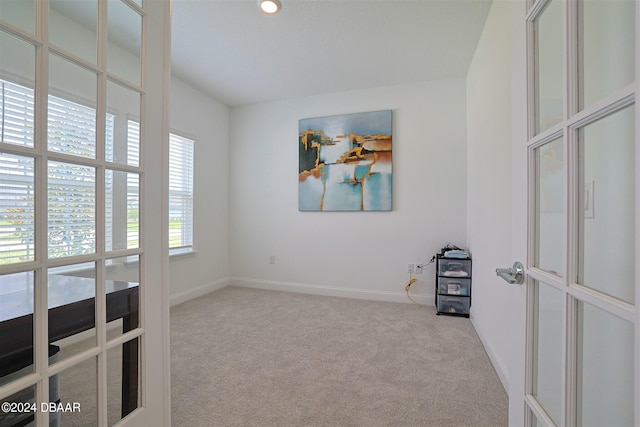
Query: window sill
[{"x": 174, "y": 253}]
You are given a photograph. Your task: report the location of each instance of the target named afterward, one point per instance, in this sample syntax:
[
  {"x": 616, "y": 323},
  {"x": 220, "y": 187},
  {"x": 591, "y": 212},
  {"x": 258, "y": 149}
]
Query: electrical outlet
[
  {"x": 419, "y": 268},
  {"x": 409, "y": 268},
  {"x": 272, "y": 259}
]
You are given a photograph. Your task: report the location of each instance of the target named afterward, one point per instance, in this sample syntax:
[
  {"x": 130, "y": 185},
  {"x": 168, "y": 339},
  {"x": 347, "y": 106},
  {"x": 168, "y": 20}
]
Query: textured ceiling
[{"x": 238, "y": 55}]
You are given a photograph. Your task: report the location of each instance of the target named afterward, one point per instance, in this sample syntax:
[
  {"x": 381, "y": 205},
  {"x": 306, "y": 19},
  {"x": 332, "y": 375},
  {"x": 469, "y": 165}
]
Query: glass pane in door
[
  {"x": 548, "y": 357},
  {"x": 26, "y": 396},
  {"x": 122, "y": 210},
  {"x": 17, "y": 209},
  {"x": 21, "y": 13},
  {"x": 72, "y": 308},
  {"x": 122, "y": 288},
  {"x": 16, "y": 326},
  {"x": 607, "y": 210},
  {"x": 17, "y": 93},
  {"x": 607, "y": 51},
  {"x": 123, "y": 380},
  {"x": 78, "y": 388},
  {"x": 535, "y": 422},
  {"x": 71, "y": 209},
  {"x": 125, "y": 41},
  {"x": 605, "y": 368},
  {"x": 73, "y": 26},
  {"x": 549, "y": 71},
  {"x": 122, "y": 125},
  {"x": 71, "y": 110},
  {"x": 550, "y": 217}
]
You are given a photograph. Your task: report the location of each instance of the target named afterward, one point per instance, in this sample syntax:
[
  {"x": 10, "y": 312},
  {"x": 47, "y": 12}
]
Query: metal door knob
[{"x": 513, "y": 275}]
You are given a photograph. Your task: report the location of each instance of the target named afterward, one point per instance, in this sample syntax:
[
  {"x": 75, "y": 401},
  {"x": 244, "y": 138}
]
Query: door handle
[{"x": 513, "y": 275}]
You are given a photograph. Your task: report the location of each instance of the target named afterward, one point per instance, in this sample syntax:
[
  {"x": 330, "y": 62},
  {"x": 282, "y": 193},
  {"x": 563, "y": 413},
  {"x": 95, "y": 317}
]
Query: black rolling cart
[{"x": 453, "y": 285}]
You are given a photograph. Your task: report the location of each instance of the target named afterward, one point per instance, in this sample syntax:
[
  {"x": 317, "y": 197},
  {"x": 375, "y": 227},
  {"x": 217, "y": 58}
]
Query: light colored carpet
[{"x": 246, "y": 357}]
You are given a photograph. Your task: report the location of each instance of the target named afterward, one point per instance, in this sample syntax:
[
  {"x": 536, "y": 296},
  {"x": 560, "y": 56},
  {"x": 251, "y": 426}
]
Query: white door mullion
[
  {"x": 41, "y": 344},
  {"x": 100, "y": 305},
  {"x": 101, "y": 361},
  {"x": 636, "y": 357},
  {"x": 41, "y": 311},
  {"x": 570, "y": 320},
  {"x": 570, "y": 316},
  {"x": 531, "y": 309},
  {"x": 531, "y": 76},
  {"x": 573, "y": 45},
  {"x": 532, "y": 405},
  {"x": 569, "y": 337},
  {"x": 539, "y": 412},
  {"x": 101, "y": 317},
  {"x": 572, "y": 362},
  {"x": 637, "y": 224}
]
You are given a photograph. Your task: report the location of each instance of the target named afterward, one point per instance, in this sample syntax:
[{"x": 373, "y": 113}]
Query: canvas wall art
[{"x": 345, "y": 162}]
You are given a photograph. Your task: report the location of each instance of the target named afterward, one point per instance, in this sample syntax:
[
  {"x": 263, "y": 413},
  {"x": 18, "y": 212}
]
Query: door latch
[{"x": 513, "y": 275}]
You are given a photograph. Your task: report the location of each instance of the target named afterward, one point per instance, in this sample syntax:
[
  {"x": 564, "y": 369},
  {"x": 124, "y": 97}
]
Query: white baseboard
[
  {"x": 497, "y": 364},
  {"x": 184, "y": 296},
  {"x": 333, "y": 291}
]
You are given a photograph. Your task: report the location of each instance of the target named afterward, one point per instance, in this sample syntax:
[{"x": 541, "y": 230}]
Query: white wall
[
  {"x": 361, "y": 254},
  {"x": 206, "y": 120},
  {"x": 489, "y": 184}
]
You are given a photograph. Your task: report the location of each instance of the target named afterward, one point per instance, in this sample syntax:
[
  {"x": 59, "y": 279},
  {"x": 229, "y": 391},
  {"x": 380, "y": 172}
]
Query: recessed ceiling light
[{"x": 269, "y": 6}]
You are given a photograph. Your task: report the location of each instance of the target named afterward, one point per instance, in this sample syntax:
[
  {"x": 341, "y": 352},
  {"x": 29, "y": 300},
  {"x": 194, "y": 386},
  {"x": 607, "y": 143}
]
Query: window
[
  {"x": 71, "y": 209},
  {"x": 17, "y": 207},
  {"x": 180, "y": 193},
  {"x": 123, "y": 188},
  {"x": 71, "y": 189},
  {"x": 17, "y": 185},
  {"x": 16, "y": 114}
]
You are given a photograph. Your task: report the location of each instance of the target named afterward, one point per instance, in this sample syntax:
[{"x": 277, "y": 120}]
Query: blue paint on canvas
[{"x": 345, "y": 162}]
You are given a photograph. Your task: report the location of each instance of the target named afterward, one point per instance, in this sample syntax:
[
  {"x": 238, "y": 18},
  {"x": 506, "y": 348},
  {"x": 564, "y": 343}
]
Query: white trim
[
  {"x": 538, "y": 411},
  {"x": 333, "y": 291},
  {"x": 604, "y": 302},
  {"x": 164, "y": 284},
  {"x": 618, "y": 101},
  {"x": 193, "y": 293},
  {"x": 41, "y": 296},
  {"x": 180, "y": 252},
  {"x": 636, "y": 357}
]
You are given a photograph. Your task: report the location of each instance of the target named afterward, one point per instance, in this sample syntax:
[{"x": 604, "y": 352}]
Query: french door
[
  {"x": 583, "y": 151},
  {"x": 83, "y": 300}
]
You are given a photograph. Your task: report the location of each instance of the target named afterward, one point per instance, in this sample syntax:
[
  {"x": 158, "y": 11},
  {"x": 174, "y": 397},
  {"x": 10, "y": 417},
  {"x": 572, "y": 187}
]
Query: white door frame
[
  {"x": 154, "y": 406},
  {"x": 521, "y": 219},
  {"x": 519, "y": 214},
  {"x": 156, "y": 374}
]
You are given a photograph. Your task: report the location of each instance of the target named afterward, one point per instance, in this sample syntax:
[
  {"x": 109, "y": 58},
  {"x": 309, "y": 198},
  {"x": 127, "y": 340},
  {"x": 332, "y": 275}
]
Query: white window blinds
[
  {"x": 17, "y": 208},
  {"x": 180, "y": 192},
  {"x": 16, "y": 114},
  {"x": 71, "y": 187},
  {"x": 71, "y": 191},
  {"x": 133, "y": 185},
  {"x": 122, "y": 188},
  {"x": 71, "y": 209},
  {"x": 71, "y": 128}
]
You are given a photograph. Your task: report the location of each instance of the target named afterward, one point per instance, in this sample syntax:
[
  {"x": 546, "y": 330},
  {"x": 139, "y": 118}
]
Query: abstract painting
[{"x": 345, "y": 162}]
